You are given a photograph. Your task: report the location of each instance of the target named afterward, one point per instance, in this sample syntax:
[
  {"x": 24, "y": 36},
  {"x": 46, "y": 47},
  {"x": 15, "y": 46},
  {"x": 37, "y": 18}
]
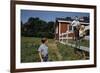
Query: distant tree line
[{"x": 35, "y": 27}]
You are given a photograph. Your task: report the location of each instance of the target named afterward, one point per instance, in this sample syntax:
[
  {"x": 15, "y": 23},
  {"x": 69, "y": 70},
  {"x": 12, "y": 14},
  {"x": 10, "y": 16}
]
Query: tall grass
[
  {"x": 67, "y": 52},
  {"x": 29, "y": 52}
]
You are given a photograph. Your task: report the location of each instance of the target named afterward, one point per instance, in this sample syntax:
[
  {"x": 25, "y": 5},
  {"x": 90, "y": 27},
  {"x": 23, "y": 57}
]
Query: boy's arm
[{"x": 40, "y": 56}]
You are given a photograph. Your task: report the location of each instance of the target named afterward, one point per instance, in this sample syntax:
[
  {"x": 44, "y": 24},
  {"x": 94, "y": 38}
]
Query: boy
[{"x": 43, "y": 50}]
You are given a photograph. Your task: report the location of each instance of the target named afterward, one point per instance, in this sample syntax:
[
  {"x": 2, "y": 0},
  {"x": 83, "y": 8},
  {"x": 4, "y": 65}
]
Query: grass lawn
[
  {"x": 57, "y": 51},
  {"x": 29, "y": 46},
  {"x": 82, "y": 42},
  {"x": 29, "y": 49},
  {"x": 67, "y": 52}
]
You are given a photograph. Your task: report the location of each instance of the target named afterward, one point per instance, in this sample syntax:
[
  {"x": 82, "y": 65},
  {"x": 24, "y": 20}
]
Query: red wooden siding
[{"x": 64, "y": 27}]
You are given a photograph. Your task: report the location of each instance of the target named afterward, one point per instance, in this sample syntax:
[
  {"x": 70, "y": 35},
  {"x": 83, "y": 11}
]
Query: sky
[{"x": 48, "y": 15}]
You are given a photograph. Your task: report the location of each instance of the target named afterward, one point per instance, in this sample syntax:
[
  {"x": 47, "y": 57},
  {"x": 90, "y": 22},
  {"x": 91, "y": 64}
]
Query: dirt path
[{"x": 54, "y": 49}]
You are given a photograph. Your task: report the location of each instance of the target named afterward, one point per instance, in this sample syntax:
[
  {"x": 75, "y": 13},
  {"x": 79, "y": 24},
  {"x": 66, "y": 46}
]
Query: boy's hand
[
  {"x": 41, "y": 60},
  {"x": 40, "y": 57}
]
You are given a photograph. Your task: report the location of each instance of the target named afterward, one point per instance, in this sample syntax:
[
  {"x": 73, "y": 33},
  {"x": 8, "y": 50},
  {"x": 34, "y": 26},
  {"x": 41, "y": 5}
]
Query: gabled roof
[
  {"x": 83, "y": 23},
  {"x": 70, "y": 19}
]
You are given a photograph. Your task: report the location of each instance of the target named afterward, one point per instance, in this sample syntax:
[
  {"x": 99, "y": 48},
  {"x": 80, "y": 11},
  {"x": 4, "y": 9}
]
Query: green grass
[
  {"x": 82, "y": 42},
  {"x": 57, "y": 51},
  {"x": 67, "y": 52},
  {"x": 29, "y": 48}
]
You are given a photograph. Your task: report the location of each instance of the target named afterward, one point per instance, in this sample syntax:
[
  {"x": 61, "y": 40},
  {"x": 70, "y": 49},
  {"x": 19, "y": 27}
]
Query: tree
[
  {"x": 86, "y": 19},
  {"x": 36, "y": 27}
]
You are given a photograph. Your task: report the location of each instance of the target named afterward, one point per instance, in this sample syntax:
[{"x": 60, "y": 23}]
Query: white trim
[
  {"x": 68, "y": 32},
  {"x": 59, "y": 30},
  {"x": 66, "y": 38},
  {"x": 71, "y": 22},
  {"x": 84, "y": 23},
  {"x": 64, "y": 21}
]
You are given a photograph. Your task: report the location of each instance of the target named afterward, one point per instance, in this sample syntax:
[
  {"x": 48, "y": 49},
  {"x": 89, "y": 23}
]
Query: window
[{"x": 70, "y": 28}]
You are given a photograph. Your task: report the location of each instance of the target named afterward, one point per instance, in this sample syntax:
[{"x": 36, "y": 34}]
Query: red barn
[{"x": 64, "y": 30}]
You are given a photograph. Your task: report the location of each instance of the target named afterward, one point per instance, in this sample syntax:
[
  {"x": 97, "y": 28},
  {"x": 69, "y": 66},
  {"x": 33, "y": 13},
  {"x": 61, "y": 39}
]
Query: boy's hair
[{"x": 43, "y": 40}]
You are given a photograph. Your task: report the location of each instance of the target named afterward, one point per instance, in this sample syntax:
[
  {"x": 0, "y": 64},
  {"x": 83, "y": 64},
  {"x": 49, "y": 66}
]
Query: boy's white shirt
[{"x": 43, "y": 49}]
